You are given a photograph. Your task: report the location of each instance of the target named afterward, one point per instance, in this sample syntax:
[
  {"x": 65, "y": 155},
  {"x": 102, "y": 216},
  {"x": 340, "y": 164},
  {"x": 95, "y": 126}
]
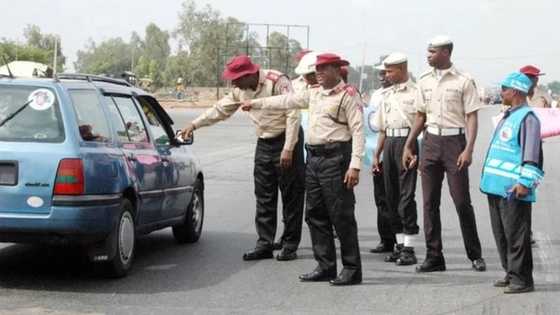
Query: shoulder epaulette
[
  {"x": 351, "y": 90},
  {"x": 273, "y": 76},
  {"x": 425, "y": 73}
]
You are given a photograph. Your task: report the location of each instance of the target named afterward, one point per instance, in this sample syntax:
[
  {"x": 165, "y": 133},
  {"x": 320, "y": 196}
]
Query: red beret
[
  {"x": 331, "y": 59},
  {"x": 239, "y": 66},
  {"x": 531, "y": 70}
]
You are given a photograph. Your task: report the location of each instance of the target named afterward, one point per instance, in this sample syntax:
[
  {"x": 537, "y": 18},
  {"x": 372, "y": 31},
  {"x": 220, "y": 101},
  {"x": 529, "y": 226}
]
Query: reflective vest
[{"x": 502, "y": 168}]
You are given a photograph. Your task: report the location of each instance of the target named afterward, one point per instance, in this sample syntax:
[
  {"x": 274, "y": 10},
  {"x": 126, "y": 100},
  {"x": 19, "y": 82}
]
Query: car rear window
[{"x": 29, "y": 114}]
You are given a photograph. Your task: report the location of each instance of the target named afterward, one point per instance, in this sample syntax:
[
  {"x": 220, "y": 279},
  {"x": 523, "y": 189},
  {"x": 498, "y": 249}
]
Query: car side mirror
[{"x": 181, "y": 141}]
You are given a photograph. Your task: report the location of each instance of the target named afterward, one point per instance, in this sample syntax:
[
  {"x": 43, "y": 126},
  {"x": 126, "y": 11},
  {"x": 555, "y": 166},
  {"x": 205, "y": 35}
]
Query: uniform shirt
[
  {"x": 539, "y": 99},
  {"x": 269, "y": 124},
  {"x": 529, "y": 138},
  {"x": 299, "y": 84},
  {"x": 323, "y": 106},
  {"x": 399, "y": 106},
  {"x": 447, "y": 96}
]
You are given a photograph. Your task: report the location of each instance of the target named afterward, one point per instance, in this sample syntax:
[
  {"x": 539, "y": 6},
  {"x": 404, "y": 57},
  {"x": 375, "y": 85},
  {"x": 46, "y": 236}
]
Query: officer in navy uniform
[{"x": 512, "y": 170}]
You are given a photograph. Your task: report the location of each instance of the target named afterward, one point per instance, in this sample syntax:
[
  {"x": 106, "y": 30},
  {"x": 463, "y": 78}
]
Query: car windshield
[{"x": 30, "y": 114}]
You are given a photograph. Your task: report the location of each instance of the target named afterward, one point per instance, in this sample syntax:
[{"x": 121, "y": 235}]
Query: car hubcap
[
  {"x": 197, "y": 212},
  {"x": 126, "y": 237}
]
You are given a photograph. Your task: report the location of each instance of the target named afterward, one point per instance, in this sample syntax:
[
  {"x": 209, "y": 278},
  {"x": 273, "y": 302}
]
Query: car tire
[
  {"x": 123, "y": 239},
  {"x": 190, "y": 230}
]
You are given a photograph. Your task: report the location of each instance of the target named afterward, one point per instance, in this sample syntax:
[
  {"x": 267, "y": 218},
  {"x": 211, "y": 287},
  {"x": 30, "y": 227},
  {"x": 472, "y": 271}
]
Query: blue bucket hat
[{"x": 518, "y": 81}]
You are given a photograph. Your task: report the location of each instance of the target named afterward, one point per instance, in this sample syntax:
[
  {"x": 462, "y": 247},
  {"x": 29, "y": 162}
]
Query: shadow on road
[{"x": 161, "y": 265}]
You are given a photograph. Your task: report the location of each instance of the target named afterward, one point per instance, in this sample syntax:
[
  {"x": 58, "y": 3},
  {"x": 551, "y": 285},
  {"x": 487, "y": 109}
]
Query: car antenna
[{"x": 7, "y": 67}]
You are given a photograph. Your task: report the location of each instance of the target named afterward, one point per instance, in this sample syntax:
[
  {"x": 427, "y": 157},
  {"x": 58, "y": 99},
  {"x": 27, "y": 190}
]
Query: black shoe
[
  {"x": 348, "y": 277},
  {"x": 395, "y": 254},
  {"x": 277, "y": 245},
  {"x": 257, "y": 254},
  {"x": 407, "y": 257},
  {"x": 286, "y": 254},
  {"x": 382, "y": 247},
  {"x": 431, "y": 265},
  {"x": 518, "y": 288},
  {"x": 318, "y": 275},
  {"x": 479, "y": 264},
  {"x": 502, "y": 283}
]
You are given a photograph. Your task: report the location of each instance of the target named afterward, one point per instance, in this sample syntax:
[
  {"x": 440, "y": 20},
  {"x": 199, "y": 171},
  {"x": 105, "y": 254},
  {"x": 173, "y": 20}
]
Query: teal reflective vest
[{"x": 502, "y": 167}]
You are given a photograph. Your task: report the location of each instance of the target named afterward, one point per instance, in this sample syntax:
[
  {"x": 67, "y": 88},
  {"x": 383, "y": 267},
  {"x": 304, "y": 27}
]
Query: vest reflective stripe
[{"x": 502, "y": 168}]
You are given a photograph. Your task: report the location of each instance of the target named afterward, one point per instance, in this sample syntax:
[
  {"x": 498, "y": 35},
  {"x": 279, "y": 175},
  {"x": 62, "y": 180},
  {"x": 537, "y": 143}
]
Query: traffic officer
[
  {"x": 387, "y": 239},
  {"x": 306, "y": 72},
  {"x": 306, "y": 78},
  {"x": 334, "y": 156},
  {"x": 278, "y": 157},
  {"x": 512, "y": 170},
  {"x": 449, "y": 111},
  {"x": 536, "y": 96},
  {"x": 394, "y": 120}
]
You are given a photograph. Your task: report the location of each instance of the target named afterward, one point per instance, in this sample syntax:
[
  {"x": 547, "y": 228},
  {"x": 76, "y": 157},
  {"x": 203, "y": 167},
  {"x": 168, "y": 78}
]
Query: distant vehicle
[
  {"x": 93, "y": 161},
  {"x": 129, "y": 77}
]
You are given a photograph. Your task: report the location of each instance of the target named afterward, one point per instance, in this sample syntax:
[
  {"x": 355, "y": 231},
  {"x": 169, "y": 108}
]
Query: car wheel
[
  {"x": 123, "y": 239},
  {"x": 190, "y": 230}
]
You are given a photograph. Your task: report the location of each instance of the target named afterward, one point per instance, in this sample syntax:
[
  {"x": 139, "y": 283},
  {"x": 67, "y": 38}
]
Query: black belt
[
  {"x": 329, "y": 149},
  {"x": 278, "y": 138}
]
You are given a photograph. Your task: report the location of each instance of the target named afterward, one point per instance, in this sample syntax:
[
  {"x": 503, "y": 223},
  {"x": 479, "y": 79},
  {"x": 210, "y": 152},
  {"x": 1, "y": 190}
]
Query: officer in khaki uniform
[
  {"x": 278, "y": 158},
  {"x": 394, "y": 120},
  {"x": 387, "y": 238},
  {"x": 302, "y": 70},
  {"x": 536, "y": 97},
  {"x": 335, "y": 149},
  {"x": 448, "y": 113}
]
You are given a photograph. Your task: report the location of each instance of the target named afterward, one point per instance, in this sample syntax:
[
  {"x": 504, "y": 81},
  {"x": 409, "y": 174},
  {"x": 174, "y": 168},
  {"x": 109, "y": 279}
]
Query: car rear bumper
[{"x": 71, "y": 220}]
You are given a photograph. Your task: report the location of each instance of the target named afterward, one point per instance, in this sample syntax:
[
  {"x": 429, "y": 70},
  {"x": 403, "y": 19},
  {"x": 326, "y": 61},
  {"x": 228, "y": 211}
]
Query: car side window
[
  {"x": 92, "y": 123},
  {"x": 132, "y": 119},
  {"x": 154, "y": 123},
  {"x": 116, "y": 119}
]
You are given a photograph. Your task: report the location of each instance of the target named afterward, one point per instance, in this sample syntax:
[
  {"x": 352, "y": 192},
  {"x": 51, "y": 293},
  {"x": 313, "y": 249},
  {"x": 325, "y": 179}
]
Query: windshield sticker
[{"x": 41, "y": 99}]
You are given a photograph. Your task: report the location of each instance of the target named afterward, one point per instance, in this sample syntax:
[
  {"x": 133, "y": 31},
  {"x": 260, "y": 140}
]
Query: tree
[
  {"x": 111, "y": 57},
  {"x": 206, "y": 41},
  {"x": 153, "y": 53},
  {"x": 554, "y": 86},
  {"x": 281, "y": 52},
  {"x": 45, "y": 42},
  {"x": 13, "y": 51}
]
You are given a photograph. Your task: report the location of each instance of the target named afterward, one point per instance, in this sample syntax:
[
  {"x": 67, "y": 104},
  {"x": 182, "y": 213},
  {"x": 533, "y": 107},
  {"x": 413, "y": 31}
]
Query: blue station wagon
[{"x": 93, "y": 161}]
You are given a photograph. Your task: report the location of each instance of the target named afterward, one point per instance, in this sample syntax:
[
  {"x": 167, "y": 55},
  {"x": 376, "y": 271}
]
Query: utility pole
[
  {"x": 362, "y": 69},
  {"x": 55, "y": 54}
]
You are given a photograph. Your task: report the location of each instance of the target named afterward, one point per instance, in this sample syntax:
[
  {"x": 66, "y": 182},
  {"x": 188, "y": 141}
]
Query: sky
[{"x": 491, "y": 37}]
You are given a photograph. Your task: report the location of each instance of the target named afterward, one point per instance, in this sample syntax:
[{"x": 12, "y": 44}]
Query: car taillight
[{"x": 69, "y": 177}]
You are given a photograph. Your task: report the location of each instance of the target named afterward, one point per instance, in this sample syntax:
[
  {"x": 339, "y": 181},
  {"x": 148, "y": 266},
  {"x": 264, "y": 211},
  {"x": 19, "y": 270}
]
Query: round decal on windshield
[{"x": 41, "y": 99}]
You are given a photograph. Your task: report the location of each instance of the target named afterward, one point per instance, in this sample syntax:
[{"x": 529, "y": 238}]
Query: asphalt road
[{"x": 210, "y": 277}]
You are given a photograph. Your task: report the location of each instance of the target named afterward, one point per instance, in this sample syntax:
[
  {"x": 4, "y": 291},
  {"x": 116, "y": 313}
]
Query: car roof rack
[{"x": 90, "y": 78}]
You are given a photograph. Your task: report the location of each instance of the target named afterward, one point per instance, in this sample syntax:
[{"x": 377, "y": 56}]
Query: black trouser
[
  {"x": 330, "y": 203},
  {"x": 511, "y": 225},
  {"x": 383, "y": 215},
  {"x": 400, "y": 187},
  {"x": 439, "y": 156},
  {"x": 269, "y": 177}
]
